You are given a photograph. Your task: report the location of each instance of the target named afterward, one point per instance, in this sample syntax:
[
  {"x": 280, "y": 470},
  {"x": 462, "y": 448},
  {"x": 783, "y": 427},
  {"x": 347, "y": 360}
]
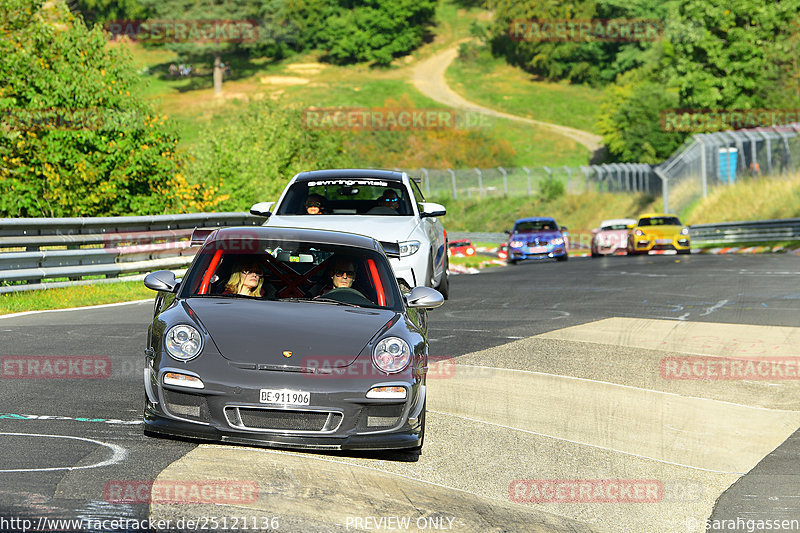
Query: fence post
[
  {"x": 586, "y": 171},
  {"x": 480, "y": 182},
  {"x": 528, "y": 172},
  {"x": 505, "y": 180},
  {"x": 703, "y": 170},
  {"x": 569, "y": 178},
  {"x": 664, "y": 187},
  {"x": 453, "y": 181}
]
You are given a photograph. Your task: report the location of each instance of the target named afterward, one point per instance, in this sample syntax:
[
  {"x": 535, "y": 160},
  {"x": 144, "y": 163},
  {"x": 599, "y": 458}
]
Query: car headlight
[
  {"x": 408, "y": 248},
  {"x": 516, "y": 244},
  {"x": 685, "y": 231},
  {"x": 183, "y": 342},
  {"x": 639, "y": 233},
  {"x": 557, "y": 240},
  {"x": 391, "y": 354}
]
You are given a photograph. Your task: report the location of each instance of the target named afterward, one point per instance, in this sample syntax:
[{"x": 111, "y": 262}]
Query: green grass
[
  {"x": 78, "y": 296},
  {"x": 493, "y": 83}
]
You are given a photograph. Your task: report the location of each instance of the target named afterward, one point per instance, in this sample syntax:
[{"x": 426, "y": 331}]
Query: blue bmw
[{"x": 537, "y": 238}]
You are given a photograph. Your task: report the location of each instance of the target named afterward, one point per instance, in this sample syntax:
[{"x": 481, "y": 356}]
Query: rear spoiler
[
  {"x": 199, "y": 235},
  {"x": 392, "y": 249}
]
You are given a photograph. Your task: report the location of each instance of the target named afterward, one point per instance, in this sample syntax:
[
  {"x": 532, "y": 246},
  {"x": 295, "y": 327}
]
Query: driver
[{"x": 343, "y": 273}]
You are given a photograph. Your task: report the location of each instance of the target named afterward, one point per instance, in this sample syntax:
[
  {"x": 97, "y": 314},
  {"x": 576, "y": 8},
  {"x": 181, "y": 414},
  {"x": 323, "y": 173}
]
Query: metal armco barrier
[
  {"x": 786, "y": 229},
  {"x": 33, "y": 251}
]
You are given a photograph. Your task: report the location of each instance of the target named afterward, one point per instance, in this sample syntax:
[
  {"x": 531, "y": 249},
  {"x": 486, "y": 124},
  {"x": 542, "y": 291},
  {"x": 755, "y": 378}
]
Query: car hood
[
  {"x": 258, "y": 331},
  {"x": 383, "y": 228},
  {"x": 661, "y": 231}
]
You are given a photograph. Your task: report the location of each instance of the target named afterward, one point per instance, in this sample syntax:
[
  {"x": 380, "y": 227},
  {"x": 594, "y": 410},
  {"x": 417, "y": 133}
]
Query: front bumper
[
  {"x": 524, "y": 253},
  {"x": 338, "y": 417},
  {"x": 644, "y": 244}
]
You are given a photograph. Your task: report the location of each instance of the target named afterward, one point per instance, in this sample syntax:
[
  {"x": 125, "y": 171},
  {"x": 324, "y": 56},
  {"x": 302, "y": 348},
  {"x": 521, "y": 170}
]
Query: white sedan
[{"x": 382, "y": 204}]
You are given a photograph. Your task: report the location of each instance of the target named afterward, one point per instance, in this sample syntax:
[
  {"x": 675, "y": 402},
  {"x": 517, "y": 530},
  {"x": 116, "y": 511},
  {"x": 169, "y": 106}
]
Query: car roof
[
  {"x": 615, "y": 221},
  {"x": 319, "y": 236},
  {"x": 344, "y": 173},
  {"x": 535, "y": 219}
]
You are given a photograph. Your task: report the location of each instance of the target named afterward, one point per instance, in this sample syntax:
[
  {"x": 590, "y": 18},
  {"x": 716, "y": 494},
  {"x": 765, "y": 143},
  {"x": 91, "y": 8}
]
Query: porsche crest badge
[{"x": 287, "y": 354}]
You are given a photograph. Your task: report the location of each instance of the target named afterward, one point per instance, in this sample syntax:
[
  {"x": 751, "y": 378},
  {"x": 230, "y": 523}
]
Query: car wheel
[
  {"x": 685, "y": 251},
  {"x": 562, "y": 257},
  {"x": 444, "y": 285},
  {"x": 595, "y": 254}
]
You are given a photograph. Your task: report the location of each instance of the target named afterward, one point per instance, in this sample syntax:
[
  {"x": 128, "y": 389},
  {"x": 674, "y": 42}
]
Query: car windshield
[
  {"x": 346, "y": 196},
  {"x": 659, "y": 221},
  {"x": 242, "y": 267},
  {"x": 534, "y": 225},
  {"x": 611, "y": 227}
]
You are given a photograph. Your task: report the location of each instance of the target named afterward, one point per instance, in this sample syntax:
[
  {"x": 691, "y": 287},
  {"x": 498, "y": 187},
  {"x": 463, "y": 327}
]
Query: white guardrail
[{"x": 42, "y": 253}]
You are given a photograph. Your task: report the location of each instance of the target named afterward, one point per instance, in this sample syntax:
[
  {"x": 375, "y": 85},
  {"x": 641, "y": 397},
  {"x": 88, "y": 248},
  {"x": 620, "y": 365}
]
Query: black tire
[
  {"x": 595, "y": 254},
  {"x": 684, "y": 252},
  {"x": 512, "y": 261},
  {"x": 444, "y": 285},
  {"x": 562, "y": 257}
]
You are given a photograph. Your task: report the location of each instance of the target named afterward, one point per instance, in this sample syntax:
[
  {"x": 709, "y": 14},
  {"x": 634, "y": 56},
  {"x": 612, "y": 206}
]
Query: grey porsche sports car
[{"x": 288, "y": 337}]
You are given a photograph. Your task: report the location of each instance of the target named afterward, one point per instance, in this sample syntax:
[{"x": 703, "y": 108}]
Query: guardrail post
[
  {"x": 505, "y": 180},
  {"x": 528, "y": 172},
  {"x": 480, "y": 182},
  {"x": 453, "y": 181}
]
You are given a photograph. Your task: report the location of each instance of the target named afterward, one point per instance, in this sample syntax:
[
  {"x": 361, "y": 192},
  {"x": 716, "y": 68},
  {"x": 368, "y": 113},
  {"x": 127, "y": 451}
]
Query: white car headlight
[
  {"x": 516, "y": 244},
  {"x": 685, "y": 231},
  {"x": 408, "y": 248},
  {"x": 183, "y": 342},
  {"x": 391, "y": 354},
  {"x": 557, "y": 240}
]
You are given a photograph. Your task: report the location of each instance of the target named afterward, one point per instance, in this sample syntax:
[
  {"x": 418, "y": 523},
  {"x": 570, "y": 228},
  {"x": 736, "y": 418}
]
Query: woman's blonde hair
[{"x": 236, "y": 282}]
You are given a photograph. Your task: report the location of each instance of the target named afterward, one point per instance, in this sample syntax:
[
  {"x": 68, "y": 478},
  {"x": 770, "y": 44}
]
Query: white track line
[{"x": 23, "y": 313}]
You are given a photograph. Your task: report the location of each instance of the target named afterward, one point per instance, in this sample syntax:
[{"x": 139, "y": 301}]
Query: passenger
[
  {"x": 388, "y": 204},
  {"x": 248, "y": 280},
  {"x": 314, "y": 204}
]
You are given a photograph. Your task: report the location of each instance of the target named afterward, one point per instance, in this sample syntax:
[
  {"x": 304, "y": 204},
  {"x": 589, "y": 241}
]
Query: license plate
[
  {"x": 285, "y": 397},
  {"x": 537, "y": 249},
  {"x": 663, "y": 241}
]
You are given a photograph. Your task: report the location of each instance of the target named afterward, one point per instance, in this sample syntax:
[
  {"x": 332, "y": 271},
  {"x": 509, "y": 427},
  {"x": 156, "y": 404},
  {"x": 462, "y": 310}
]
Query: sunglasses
[
  {"x": 341, "y": 273},
  {"x": 391, "y": 199},
  {"x": 314, "y": 204},
  {"x": 248, "y": 272}
]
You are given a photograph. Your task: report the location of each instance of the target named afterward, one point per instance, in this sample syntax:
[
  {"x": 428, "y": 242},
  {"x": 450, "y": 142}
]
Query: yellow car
[{"x": 658, "y": 233}]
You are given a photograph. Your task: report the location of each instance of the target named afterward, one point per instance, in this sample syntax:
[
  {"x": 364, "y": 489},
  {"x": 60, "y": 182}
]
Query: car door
[{"x": 434, "y": 231}]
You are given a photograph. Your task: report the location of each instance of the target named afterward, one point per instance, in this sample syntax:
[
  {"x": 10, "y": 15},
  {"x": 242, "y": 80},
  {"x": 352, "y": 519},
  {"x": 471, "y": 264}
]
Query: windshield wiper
[{"x": 332, "y": 301}]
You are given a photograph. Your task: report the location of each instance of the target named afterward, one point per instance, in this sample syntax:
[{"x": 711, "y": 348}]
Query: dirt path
[{"x": 428, "y": 77}]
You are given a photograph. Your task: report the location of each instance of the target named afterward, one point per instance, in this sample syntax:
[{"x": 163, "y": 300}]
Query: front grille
[
  {"x": 282, "y": 420},
  {"x": 190, "y": 406},
  {"x": 380, "y": 416},
  {"x": 537, "y": 243}
]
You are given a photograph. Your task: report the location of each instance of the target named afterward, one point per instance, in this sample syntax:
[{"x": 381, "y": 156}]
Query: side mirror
[
  {"x": 424, "y": 297},
  {"x": 161, "y": 280},
  {"x": 262, "y": 209},
  {"x": 430, "y": 209},
  {"x": 564, "y": 228},
  {"x": 507, "y": 232}
]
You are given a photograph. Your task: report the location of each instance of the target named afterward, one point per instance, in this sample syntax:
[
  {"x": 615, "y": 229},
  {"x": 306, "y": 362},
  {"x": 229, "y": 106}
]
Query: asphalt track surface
[{"x": 558, "y": 375}]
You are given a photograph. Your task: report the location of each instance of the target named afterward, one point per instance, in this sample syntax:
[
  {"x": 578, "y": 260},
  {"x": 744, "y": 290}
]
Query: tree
[
  {"x": 186, "y": 25},
  {"x": 101, "y": 11},
  {"x": 258, "y": 150},
  {"x": 76, "y": 138}
]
